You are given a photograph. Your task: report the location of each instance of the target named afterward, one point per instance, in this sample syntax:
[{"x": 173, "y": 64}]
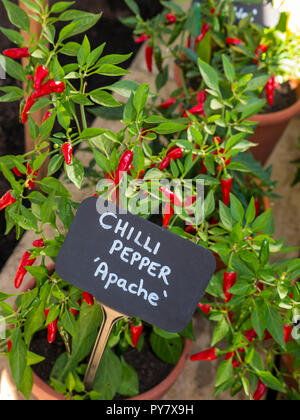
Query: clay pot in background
[
  {"x": 270, "y": 129},
  {"x": 270, "y": 126}
]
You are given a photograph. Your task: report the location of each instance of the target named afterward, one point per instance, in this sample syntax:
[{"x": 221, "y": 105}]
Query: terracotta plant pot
[
  {"x": 43, "y": 392},
  {"x": 270, "y": 129},
  {"x": 270, "y": 126}
]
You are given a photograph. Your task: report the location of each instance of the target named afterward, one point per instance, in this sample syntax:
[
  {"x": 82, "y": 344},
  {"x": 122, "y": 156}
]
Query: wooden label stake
[{"x": 110, "y": 317}]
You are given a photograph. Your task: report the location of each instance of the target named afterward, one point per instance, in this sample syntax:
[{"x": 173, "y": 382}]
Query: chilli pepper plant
[
  {"x": 207, "y": 31},
  {"x": 251, "y": 299}
]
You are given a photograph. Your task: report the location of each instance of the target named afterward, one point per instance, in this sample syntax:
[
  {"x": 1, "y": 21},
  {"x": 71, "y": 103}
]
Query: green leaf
[
  {"x": 228, "y": 68},
  {"x": 104, "y": 98},
  {"x": 49, "y": 184},
  {"x": 86, "y": 332},
  {"x": 261, "y": 221},
  {"x": 75, "y": 172},
  {"x": 167, "y": 350},
  {"x": 274, "y": 325},
  {"x": 133, "y": 7},
  {"x": 237, "y": 209},
  {"x": 140, "y": 97},
  {"x": 55, "y": 164},
  {"x": 17, "y": 16},
  {"x": 27, "y": 383},
  {"x": 91, "y": 132},
  {"x": 225, "y": 373},
  {"x": 13, "y": 68},
  {"x": 84, "y": 51},
  {"x": 109, "y": 376},
  {"x": 270, "y": 381},
  {"x": 13, "y": 36},
  {"x": 102, "y": 161},
  {"x": 169, "y": 128},
  {"x": 130, "y": 381},
  {"x": 68, "y": 322},
  {"x": 225, "y": 216},
  {"x": 259, "y": 319},
  {"x": 61, "y": 6},
  {"x": 82, "y": 23},
  {"x": 111, "y": 70},
  {"x": 209, "y": 204},
  {"x": 46, "y": 127},
  {"x": 114, "y": 59},
  {"x": 18, "y": 357},
  {"x": 123, "y": 87},
  {"x": 257, "y": 82},
  {"x": 209, "y": 76},
  {"x": 250, "y": 212},
  {"x": 220, "y": 332},
  {"x": 95, "y": 55}
]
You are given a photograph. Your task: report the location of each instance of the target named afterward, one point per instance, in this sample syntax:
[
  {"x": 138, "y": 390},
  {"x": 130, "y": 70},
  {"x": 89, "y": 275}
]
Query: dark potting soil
[
  {"x": 284, "y": 97},
  {"x": 151, "y": 370},
  {"x": 119, "y": 41}
]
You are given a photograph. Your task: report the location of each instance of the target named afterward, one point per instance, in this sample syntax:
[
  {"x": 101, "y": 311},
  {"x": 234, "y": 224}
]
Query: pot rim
[
  {"x": 279, "y": 117},
  {"x": 43, "y": 391}
]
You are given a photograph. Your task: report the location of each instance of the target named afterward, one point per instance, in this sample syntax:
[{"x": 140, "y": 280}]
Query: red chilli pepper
[
  {"x": 260, "y": 391},
  {"x": 287, "y": 333},
  {"x": 26, "y": 261},
  {"x": 49, "y": 87},
  {"x": 233, "y": 41},
  {"x": 16, "y": 171},
  {"x": 39, "y": 243},
  {"x": 228, "y": 283},
  {"x": 257, "y": 207},
  {"x": 142, "y": 39},
  {"x": 9, "y": 345},
  {"x": 262, "y": 48},
  {"x": 201, "y": 97},
  {"x": 88, "y": 298},
  {"x": 52, "y": 328},
  {"x": 250, "y": 335},
  {"x": 136, "y": 332},
  {"x": 46, "y": 116},
  {"x": 67, "y": 150},
  {"x": 124, "y": 165},
  {"x": 205, "y": 28},
  {"x": 168, "y": 213},
  {"x": 149, "y": 57},
  {"x": 31, "y": 182},
  {"x": 226, "y": 185},
  {"x": 270, "y": 87},
  {"x": 6, "y": 200},
  {"x": 207, "y": 356},
  {"x": 75, "y": 312},
  {"x": 17, "y": 53},
  {"x": 40, "y": 75},
  {"x": 168, "y": 103},
  {"x": 196, "y": 110},
  {"x": 28, "y": 105},
  {"x": 171, "y": 18},
  {"x": 171, "y": 196},
  {"x": 204, "y": 308},
  {"x": 176, "y": 154}
]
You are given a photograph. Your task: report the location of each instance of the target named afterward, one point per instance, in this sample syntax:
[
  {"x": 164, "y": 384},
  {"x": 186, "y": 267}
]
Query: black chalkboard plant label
[{"x": 133, "y": 266}]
